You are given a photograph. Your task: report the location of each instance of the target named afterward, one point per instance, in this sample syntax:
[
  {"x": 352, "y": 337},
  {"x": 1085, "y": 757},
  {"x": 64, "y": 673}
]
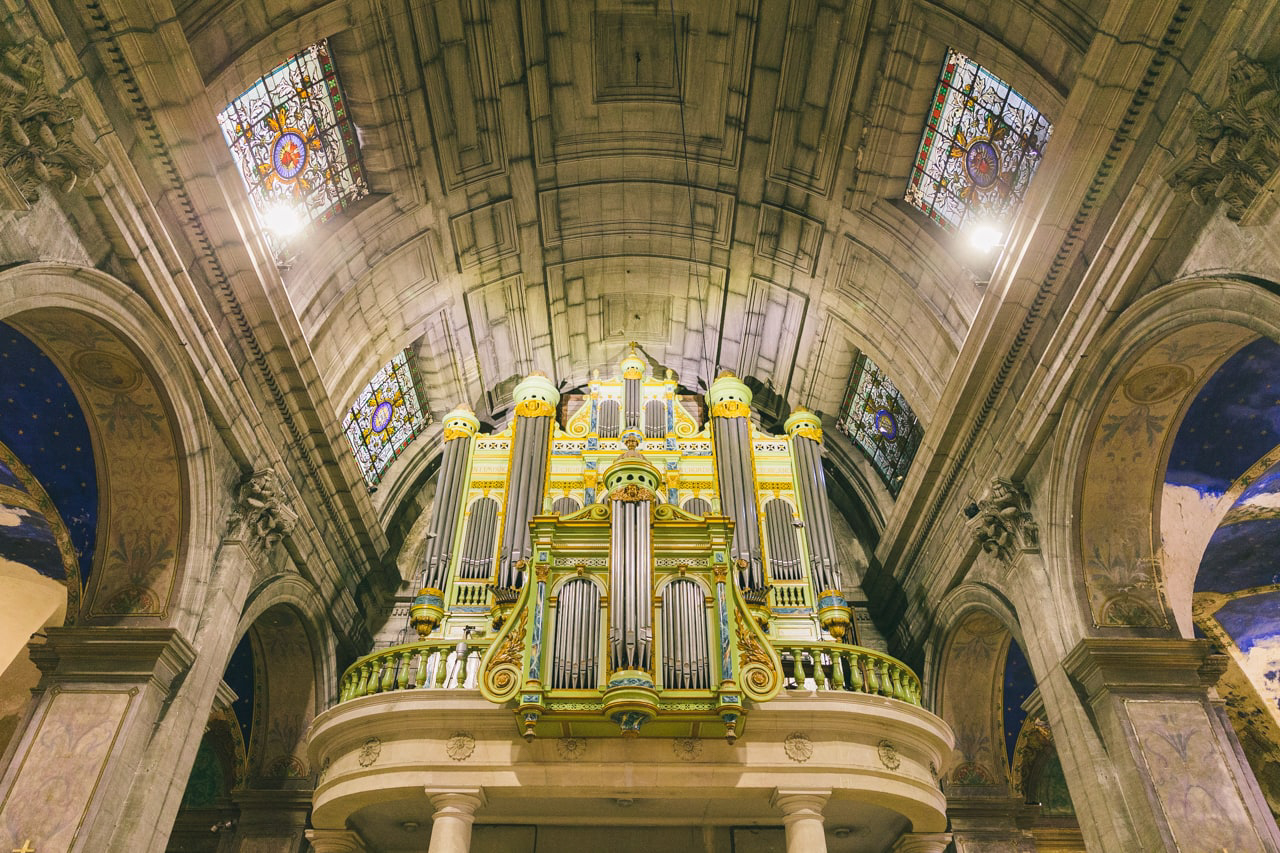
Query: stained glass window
[
  {"x": 982, "y": 143},
  {"x": 386, "y": 417},
  {"x": 878, "y": 419},
  {"x": 295, "y": 146}
]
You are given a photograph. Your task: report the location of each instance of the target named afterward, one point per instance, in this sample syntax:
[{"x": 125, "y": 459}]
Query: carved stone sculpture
[
  {"x": 1237, "y": 147},
  {"x": 1002, "y": 521},
  {"x": 260, "y": 512},
  {"x": 38, "y": 141}
]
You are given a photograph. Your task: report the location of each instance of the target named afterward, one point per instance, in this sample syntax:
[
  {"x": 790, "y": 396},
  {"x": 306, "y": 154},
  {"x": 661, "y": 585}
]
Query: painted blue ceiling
[
  {"x": 42, "y": 423},
  {"x": 1232, "y": 422},
  {"x": 1240, "y": 556},
  {"x": 1251, "y": 619},
  {"x": 239, "y": 677},
  {"x": 1018, "y": 685},
  {"x": 25, "y": 535}
]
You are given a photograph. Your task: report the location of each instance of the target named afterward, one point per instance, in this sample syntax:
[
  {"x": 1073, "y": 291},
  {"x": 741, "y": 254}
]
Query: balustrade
[
  {"x": 429, "y": 664},
  {"x": 833, "y": 666}
]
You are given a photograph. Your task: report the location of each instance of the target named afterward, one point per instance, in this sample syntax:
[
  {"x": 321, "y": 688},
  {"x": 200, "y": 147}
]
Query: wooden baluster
[
  {"x": 882, "y": 670},
  {"x": 388, "y": 673},
  {"x": 362, "y": 687},
  {"x": 420, "y": 677},
  {"x": 402, "y": 676},
  {"x": 837, "y": 669},
  {"x": 442, "y": 664},
  {"x": 819, "y": 671},
  {"x": 873, "y": 684},
  {"x": 855, "y": 672},
  {"x": 375, "y": 678},
  {"x": 797, "y": 667},
  {"x": 898, "y": 678}
]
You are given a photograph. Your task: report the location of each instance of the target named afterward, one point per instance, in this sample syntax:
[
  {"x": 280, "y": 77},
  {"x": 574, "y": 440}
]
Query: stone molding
[
  {"x": 39, "y": 143},
  {"x": 335, "y": 841},
  {"x": 922, "y": 842},
  {"x": 1104, "y": 665},
  {"x": 261, "y": 515},
  {"x": 1002, "y": 523},
  {"x": 1237, "y": 145},
  {"x": 114, "y": 655}
]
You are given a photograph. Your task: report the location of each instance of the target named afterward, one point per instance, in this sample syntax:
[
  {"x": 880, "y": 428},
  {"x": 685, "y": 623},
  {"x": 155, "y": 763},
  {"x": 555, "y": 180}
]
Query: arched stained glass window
[
  {"x": 878, "y": 419},
  {"x": 295, "y": 146},
  {"x": 385, "y": 417},
  {"x": 982, "y": 143}
]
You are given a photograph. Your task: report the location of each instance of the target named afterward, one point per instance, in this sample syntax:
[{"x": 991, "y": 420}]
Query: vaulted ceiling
[{"x": 719, "y": 181}]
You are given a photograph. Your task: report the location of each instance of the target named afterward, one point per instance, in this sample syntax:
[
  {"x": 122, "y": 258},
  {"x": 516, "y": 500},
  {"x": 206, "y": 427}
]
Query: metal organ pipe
[{"x": 445, "y": 518}]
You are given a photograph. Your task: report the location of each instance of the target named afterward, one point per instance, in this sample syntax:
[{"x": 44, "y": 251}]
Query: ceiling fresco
[{"x": 42, "y": 424}]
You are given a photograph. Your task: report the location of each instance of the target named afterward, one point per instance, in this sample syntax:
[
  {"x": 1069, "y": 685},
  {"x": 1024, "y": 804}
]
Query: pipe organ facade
[{"x": 620, "y": 551}]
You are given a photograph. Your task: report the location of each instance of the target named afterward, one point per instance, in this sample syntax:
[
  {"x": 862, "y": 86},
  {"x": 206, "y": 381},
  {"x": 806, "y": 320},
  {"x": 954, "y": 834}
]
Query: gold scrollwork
[
  {"x": 631, "y": 493},
  {"x": 730, "y": 409},
  {"x": 512, "y": 650},
  {"x": 534, "y": 408},
  {"x": 812, "y": 433},
  {"x": 633, "y": 373},
  {"x": 450, "y": 433},
  {"x": 750, "y": 648},
  {"x": 542, "y": 571}
]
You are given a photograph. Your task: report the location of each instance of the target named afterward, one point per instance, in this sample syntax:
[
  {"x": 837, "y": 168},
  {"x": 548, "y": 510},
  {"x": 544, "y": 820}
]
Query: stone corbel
[
  {"x": 39, "y": 143},
  {"x": 1237, "y": 145},
  {"x": 260, "y": 515},
  {"x": 1002, "y": 522}
]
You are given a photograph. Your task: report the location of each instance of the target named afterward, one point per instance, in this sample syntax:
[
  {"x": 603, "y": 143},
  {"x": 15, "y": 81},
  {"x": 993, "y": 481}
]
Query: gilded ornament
[
  {"x": 749, "y": 647},
  {"x": 512, "y": 650},
  {"x": 731, "y": 409},
  {"x": 811, "y": 433},
  {"x": 631, "y": 493},
  {"x": 542, "y": 571},
  {"x": 633, "y": 373},
  {"x": 534, "y": 408},
  {"x": 450, "y": 433}
]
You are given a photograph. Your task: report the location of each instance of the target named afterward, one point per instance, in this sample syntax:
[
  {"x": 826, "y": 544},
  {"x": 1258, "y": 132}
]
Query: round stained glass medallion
[
  {"x": 886, "y": 424},
  {"x": 982, "y": 163},
  {"x": 289, "y": 155},
  {"x": 381, "y": 418}
]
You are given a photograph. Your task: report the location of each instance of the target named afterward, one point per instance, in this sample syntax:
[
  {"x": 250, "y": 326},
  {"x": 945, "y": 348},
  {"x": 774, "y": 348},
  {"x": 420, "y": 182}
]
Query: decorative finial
[{"x": 631, "y": 441}]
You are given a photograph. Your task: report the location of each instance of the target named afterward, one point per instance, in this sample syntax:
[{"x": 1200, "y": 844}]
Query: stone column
[
  {"x": 802, "y": 816},
  {"x": 1147, "y": 761},
  {"x": 335, "y": 841},
  {"x": 922, "y": 842},
  {"x": 271, "y": 821},
  {"x": 451, "y": 822}
]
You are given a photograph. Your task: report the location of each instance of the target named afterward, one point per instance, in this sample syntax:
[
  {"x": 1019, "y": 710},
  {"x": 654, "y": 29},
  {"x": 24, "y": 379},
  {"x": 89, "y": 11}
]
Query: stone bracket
[
  {"x": 1002, "y": 522},
  {"x": 113, "y": 654},
  {"x": 1104, "y": 665}
]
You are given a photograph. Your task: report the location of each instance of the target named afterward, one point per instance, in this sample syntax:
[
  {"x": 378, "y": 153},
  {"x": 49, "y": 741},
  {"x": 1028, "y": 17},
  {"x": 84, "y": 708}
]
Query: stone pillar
[
  {"x": 271, "y": 821},
  {"x": 335, "y": 841},
  {"x": 451, "y": 822},
  {"x": 922, "y": 842},
  {"x": 981, "y": 824},
  {"x": 101, "y": 692},
  {"x": 802, "y": 816},
  {"x": 1147, "y": 761}
]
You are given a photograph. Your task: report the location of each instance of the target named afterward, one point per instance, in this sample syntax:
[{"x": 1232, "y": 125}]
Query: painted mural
[
  {"x": 43, "y": 426},
  {"x": 1119, "y": 538},
  {"x": 974, "y": 657},
  {"x": 139, "y": 473},
  {"x": 32, "y": 533}
]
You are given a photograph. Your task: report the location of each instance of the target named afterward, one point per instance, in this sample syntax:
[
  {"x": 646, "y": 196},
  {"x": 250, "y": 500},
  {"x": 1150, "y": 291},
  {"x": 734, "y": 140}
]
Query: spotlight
[
  {"x": 283, "y": 220},
  {"x": 985, "y": 236}
]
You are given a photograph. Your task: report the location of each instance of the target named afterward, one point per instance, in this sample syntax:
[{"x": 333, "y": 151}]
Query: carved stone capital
[
  {"x": 39, "y": 144},
  {"x": 1237, "y": 145},
  {"x": 1002, "y": 522},
  {"x": 260, "y": 514}
]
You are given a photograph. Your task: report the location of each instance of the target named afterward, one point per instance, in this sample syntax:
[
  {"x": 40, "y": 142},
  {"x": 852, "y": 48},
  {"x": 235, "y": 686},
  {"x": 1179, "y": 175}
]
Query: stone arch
[
  {"x": 157, "y": 517},
  {"x": 967, "y": 683},
  {"x": 1111, "y": 457},
  {"x": 293, "y": 670}
]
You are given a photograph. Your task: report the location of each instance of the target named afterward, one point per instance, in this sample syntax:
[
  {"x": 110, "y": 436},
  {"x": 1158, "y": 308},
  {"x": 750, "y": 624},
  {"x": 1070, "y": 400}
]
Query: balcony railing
[
  {"x": 833, "y": 666},
  {"x": 427, "y": 664}
]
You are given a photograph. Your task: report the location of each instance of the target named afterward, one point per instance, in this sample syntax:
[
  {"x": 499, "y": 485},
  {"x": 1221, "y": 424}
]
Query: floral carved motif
[
  {"x": 1237, "y": 145},
  {"x": 38, "y": 140},
  {"x": 460, "y": 746},
  {"x": 798, "y": 747}
]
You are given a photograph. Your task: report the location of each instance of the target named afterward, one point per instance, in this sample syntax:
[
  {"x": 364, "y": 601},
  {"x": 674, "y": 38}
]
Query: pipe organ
[{"x": 634, "y": 562}]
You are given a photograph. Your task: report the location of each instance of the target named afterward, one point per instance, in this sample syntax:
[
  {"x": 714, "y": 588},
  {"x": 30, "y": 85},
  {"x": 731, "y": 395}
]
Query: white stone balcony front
[{"x": 868, "y": 763}]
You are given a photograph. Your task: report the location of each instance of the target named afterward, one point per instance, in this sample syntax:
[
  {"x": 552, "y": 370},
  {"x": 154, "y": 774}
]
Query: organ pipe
[
  {"x": 459, "y": 426},
  {"x": 536, "y": 397}
]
